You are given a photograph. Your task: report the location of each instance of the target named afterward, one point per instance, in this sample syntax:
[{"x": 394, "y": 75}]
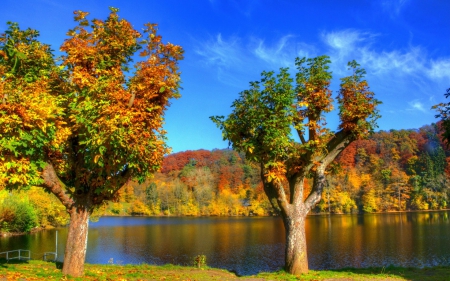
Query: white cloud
[
  {"x": 409, "y": 81},
  {"x": 343, "y": 40},
  {"x": 233, "y": 57},
  {"x": 220, "y": 52},
  {"x": 343, "y": 44},
  {"x": 224, "y": 55},
  {"x": 409, "y": 62},
  {"x": 346, "y": 45},
  {"x": 439, "y": 69},
  {"x": 417, "y": 105},
  {"x": 392, "y": 71},
  {"x": 395, "y": 75},
  {"x": 283, "y": 52}
]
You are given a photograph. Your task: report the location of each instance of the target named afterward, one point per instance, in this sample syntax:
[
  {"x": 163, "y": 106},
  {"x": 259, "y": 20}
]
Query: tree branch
[
  {"x": 272, "y": 193},
  {"x": 121, "y": 178},
  {"x": 300, "y": 135},
  {"x": 281, "y": 196},
  {"x": 318, "y": 185},
  {"x": 296, "y": 187},
  {"x": 335, "y": 146},
  {"x": 117, "y": 181},
  {"x": 53, "y": 184},
  {"x": 275, "y": 190},
  {"x": 130, "y": 103}
]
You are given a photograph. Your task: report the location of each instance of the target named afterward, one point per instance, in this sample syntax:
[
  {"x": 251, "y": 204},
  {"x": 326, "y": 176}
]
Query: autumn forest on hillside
[{"x": 390, "y": 171}]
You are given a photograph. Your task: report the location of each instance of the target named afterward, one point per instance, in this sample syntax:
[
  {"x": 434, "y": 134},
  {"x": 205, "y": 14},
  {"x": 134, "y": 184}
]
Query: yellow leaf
[{"x": 303, "y": 104}]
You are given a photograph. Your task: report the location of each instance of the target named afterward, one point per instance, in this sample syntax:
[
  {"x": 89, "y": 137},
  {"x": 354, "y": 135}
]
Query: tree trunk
[
  {"x": 75, "y": 253},
  {"x": 296, "y": 257}
]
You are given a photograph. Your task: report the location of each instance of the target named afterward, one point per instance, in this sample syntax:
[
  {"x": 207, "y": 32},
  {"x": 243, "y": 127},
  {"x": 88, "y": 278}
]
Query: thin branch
[
  {"x": 130, "y": 103},
  {"x": 300, "y": 135}
]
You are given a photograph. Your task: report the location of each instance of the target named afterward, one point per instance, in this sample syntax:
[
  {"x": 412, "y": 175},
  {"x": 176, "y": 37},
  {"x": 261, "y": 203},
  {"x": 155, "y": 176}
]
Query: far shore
[{"x": 37, "y": 229}]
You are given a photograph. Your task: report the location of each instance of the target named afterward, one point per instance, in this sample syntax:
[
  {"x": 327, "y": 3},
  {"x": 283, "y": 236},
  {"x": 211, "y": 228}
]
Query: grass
[{"x": 40, "y": 270}]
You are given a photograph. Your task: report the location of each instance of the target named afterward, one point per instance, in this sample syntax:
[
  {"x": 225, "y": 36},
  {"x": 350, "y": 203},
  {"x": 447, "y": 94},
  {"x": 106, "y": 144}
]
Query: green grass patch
[{"x": 40, "y": 270}]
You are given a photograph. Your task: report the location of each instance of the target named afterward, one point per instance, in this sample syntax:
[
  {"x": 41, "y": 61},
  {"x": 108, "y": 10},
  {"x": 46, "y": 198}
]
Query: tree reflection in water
[{"x": 250, "y": 245}]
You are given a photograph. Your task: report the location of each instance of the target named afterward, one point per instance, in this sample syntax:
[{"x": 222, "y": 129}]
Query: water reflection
[
  {"x": 251, "y": 245},
  {"x": 226, "y": 242}
]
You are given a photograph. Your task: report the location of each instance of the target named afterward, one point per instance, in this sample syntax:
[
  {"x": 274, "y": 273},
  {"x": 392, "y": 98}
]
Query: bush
[
  {"x": 48, "y": 208},
  {"x": 139, "y": 209},
  {"x": 17, "y": 215},
  {"x": 200, "y": 261}
]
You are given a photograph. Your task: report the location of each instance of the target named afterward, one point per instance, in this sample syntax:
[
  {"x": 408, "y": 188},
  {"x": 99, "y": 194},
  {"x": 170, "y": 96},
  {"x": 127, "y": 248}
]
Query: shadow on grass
[{"x": 4, "y": 262}]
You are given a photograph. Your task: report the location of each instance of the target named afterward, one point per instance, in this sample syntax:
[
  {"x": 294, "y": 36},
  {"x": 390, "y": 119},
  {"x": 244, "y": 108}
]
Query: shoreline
[
  {"x": 38, "y": 229},
  {"x": 32, "y": 231}
]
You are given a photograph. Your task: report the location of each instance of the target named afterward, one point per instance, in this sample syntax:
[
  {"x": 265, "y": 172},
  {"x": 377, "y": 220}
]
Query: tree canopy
[
  {"x": 265, "y": 116},
  {"x": 88, "y": 114},
  {"x": 83, "y": 125},
  {"x": 443, "y": 110},
  {"x": 260, "y": 126}
]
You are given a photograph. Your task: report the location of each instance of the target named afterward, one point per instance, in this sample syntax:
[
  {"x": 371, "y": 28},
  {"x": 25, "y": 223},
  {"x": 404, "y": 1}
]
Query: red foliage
[
  {"x": 176, "y": 161},
  {"x": 420, "y": 138},
  {"x": 347, "y": 157}
]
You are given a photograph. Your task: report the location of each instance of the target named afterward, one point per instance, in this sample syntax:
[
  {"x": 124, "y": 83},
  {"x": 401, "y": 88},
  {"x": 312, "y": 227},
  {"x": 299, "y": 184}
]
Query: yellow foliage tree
[{"x": 86, "y": 127}]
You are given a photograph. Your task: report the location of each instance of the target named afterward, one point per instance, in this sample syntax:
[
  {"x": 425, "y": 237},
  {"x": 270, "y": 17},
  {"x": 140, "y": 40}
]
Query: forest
[{"x": 396, "y": 170}]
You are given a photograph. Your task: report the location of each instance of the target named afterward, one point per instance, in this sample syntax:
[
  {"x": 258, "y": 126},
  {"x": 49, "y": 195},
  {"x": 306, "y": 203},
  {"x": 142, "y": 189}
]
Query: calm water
[{"x": 251, "y": 245}]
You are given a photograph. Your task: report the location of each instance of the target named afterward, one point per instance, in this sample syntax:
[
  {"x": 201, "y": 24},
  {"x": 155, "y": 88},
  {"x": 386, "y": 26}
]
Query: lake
[{"x": 248, "y": 245}]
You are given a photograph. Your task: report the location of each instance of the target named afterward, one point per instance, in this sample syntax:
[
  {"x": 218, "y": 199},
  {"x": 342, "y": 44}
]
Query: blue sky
[{"x": 404, "y": 45}]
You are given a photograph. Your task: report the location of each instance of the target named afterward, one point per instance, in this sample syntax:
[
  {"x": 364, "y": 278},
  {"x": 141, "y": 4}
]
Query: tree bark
[
  {"x": 75, "y": 252},
  {"x": 294, "y": 214},
  {"x": 79, "y": 207},
  {"x": 296, "y": 256}
]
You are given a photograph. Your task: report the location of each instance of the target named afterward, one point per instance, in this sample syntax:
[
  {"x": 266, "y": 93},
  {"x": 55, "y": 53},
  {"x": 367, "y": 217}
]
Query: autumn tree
[
  {"x": 260, "y": 126},
  {"x": 84, "y": 128},
  {"x": 443, "y": 110}
]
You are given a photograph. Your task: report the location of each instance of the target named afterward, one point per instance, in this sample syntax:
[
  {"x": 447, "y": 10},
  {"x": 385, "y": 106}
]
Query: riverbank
[
  {"x": 97, "y": 217},
  {"x": 40, "y": 270},
  {"x": 34, "y": 230}
]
